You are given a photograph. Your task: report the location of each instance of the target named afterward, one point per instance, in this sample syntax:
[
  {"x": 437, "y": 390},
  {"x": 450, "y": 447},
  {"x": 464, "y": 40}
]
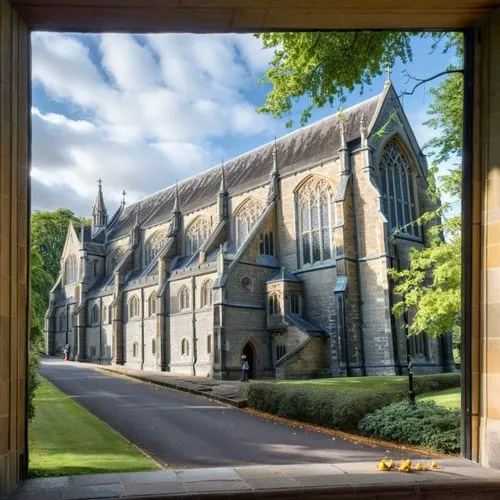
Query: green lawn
[
  {"x": 450, "y": 398},
  {"x": 66, "y": 439},
  {"x": 370, "y": 384}
]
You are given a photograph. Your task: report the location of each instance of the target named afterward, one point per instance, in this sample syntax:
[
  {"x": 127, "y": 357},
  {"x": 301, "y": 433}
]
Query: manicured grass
[
  {"x": 65, "y": 439},
  {"x": 450, "y": 398},
  {"x": 367, "y": 384}
]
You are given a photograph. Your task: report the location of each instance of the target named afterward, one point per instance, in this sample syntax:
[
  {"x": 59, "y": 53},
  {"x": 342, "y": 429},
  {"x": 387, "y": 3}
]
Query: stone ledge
[{"x": 457, "y": 479}]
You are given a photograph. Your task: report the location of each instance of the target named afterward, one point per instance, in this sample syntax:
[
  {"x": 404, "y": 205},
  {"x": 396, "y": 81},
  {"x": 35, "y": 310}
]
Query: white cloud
[{"x": 149, "y": 109}]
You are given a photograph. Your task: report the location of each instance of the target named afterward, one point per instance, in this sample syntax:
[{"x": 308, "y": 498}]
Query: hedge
[
  {"x": 424, "y": 424},
  {"x": 335, "y": 407}
]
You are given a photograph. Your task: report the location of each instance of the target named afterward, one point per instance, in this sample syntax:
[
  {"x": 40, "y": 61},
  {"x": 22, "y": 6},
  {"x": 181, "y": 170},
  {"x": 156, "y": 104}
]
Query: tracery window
[
  {"x": 152, "y": 304},
  {"x": 133, "y": 307},
  {"x": 274, "y": 304},
  {"x": 266, "y": 243},
  {"x": 206, "y": 294},
  {"x": 196, "y": 235},
  {"x": 71, "y": 269},
  {"x": 153, "y": 246},
  {"x": 397, "y": 187},
  {"x": 114, "y": 258},
  {"x": 183, "y": 298},
  {"x": 209, "y": 344},
  {"x": 315, "y": 221},
  {"x": 185, "y": 347},
  {"x": 245, "y": 218},
  {"x": 294, "y": 304}
]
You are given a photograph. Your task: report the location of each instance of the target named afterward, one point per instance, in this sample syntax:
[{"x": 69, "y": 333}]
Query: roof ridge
[{"x": 257, "y": 148}]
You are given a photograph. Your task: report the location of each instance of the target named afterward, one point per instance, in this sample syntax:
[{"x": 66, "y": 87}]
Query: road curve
[{"x": 182, "y": 430}]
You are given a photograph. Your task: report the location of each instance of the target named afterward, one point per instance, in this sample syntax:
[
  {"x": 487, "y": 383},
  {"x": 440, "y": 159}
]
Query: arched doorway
[{"x": 249, "y": 352}]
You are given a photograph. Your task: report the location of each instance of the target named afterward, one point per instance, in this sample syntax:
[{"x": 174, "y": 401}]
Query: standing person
[
  {"x": 66, "y": 352},
  {"x": 245, "y": 368}
]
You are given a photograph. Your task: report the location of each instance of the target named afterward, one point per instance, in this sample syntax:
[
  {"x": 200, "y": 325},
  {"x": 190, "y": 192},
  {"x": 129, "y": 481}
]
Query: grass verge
[
  {"x": 450, "y": 398},
  {"x": 65, "y": 439}
]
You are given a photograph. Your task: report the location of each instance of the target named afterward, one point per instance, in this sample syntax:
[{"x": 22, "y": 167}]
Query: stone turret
[
  {"x": 366, "y": 151},
  {"x": 274, "y": 185},
  {"x": 99, "y": 213},
  {"x": 175, "y": 226},
  {"x": 345, "y": 164},
  {"x": 223, "y": 196}
]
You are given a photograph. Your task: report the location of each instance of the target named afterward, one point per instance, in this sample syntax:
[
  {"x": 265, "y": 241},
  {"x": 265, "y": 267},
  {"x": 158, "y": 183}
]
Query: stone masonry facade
[{"x": 281, "y": 255}]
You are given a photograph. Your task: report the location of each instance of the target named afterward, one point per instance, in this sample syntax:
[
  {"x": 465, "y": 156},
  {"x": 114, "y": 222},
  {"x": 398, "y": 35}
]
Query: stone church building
[{"x": 281, "y": 254}]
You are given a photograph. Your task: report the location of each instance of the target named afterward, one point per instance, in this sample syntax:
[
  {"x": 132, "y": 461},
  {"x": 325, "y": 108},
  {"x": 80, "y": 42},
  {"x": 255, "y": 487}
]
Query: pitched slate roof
[
  {"x": 308, "y": 145},
  {"x": 283, "y": 275}
]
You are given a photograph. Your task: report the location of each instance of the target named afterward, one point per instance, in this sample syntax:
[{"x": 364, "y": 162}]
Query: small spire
[
  {"x": 176, "y": 203},
  {"x": 363, "y": 131},
  {"x": 99, "y": 183},
  {"x": 275, "y": 158},
  {"x": 388, "y": 71},
  {"x": 123, "y": 197},
  {"x": 223, "y": 189},
  {"x": 343, "y": 141},
  {"x": 136, "y": 224}
]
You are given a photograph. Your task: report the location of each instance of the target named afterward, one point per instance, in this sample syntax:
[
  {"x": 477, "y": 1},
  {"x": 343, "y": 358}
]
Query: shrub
[
  {"x": 338, "y": 409},
  {"x": 424, "y": 424},
  {"x": 434, "y": 383}
]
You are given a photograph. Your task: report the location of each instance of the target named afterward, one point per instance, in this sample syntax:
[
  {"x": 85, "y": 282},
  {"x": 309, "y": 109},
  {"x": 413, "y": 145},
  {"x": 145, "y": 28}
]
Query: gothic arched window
[
  {"x": 153, "y": 246},
  {"x": 94, "y": 315},
  {"x": 206, "y": 294},
  {"x": 274, "y": 304},
  {"x": 104, "y": 314},
  {"x": 152, "y": 304},
  {"x": 196, "y": 234},
  {"x": 294, "y": 303},
  {"x": 183, "y": 298},
  {"x": 266, "y": 243},
  {"x": 70, "y": 270},
  {"x": 315, "y": 214},
  {"x": 133, "y": 307},
  {"x": 245, "y": 218},
  {"x": 397, "y": 187}
]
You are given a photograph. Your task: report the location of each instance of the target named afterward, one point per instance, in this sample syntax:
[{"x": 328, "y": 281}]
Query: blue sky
[{"x": 142, "y": 111}]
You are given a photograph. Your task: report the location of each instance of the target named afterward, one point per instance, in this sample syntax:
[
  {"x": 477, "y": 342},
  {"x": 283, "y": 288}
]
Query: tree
[
  {"x": 323, "y": 67},
  {"x": 48, "y": 234}
]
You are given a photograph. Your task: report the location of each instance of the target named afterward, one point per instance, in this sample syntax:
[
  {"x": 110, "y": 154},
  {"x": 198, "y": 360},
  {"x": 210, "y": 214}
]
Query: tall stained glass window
[
  {"x": 397, "y": 187},
  {"x": 315, "y": 221}
]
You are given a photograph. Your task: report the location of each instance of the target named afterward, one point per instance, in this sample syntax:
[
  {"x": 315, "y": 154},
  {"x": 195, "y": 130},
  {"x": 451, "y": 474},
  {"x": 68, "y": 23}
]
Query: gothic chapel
[{"x": 281, "y": 254}]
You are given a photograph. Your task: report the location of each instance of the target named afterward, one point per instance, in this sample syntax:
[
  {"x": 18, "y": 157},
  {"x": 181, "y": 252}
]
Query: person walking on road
[{"x": 245, "y": 368}]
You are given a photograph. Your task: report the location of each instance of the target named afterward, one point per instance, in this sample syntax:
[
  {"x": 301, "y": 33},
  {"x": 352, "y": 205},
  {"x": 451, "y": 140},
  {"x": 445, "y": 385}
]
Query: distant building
[{"x": 282, "y": 254}]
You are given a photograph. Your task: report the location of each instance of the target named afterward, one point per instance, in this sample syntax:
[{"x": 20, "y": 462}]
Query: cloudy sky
[{"x": 142, "y": 111}]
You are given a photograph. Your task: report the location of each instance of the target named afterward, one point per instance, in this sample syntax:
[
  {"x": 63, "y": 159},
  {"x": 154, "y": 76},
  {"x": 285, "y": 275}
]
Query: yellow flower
[
  {"x": 420, "y": 467},
  {"x": 434, "y": 465},
  {"x": 405, "y": 466},
  {"x": 383, "y": 465}
]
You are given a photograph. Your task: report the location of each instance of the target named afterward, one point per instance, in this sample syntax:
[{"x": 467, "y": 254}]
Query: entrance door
[{"x": 249, "y": 353}]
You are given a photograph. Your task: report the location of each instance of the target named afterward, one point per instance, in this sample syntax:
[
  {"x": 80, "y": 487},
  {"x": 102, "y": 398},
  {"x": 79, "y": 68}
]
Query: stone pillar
[
  {"x": 14, "y": 254},
  {"x": 485, "y": 256},
  {"x": 118, "y": 347}
]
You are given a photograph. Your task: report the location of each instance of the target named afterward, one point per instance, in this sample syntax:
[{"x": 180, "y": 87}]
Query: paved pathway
[{"x": 183, "y": 430}]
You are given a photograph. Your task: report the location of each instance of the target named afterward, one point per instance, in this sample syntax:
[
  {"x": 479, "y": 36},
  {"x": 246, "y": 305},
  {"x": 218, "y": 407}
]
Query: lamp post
[{"x": 411, "y": 389}]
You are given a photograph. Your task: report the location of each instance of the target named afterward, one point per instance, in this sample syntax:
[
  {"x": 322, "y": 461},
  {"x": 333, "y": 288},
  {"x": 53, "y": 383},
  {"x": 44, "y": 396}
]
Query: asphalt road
[{"x": 182, "y": 430}]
